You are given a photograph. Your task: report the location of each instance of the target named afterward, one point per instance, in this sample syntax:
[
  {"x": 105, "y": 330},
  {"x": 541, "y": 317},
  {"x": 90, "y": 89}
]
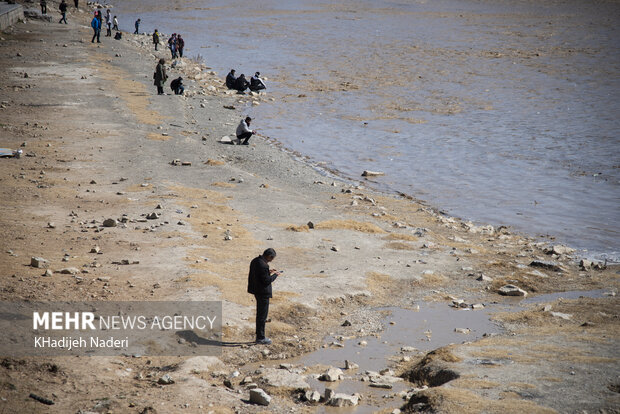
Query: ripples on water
[{"x": 497, "y": 111}]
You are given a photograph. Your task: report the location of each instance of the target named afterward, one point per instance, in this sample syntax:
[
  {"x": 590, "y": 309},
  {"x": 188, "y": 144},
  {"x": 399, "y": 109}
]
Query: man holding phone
[{"x": 259, "y": 284}]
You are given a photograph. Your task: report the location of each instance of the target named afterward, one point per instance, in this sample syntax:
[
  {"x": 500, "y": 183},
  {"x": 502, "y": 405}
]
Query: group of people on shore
[
  {"x": 241, "y": 83},
  {"x": 176, "y": 44},
  {"x": 110, "y": 23}
]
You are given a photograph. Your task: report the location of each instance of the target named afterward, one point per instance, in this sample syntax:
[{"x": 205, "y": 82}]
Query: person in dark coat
[
  {"x": 160, "y": 76},
  {"x": 177, "y": 86},
  {"x": 231, "y": 79},
  {"x": 156, "y": 38},
  {"x": 180, "y": 45},
  {"x": 63, "y": 11},
  {"x": 43, "y": 4},
  {"x": 260, "y": 279},
  {"x": 96, "y": 25},
  {"x": 241, "y": 84}
]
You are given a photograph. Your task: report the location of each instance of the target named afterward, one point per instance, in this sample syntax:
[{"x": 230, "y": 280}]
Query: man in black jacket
[{"x": 259, "y": 284}]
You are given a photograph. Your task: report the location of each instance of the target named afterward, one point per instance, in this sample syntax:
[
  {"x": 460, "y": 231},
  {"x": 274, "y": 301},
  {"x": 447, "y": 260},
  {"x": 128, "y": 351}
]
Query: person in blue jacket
[
  {"x": 137, "y": 24},
  {"x": 96, "y": 25}
]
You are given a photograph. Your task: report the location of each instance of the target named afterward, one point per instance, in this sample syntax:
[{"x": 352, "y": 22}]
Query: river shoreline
[{"x": 100, "y": 144}]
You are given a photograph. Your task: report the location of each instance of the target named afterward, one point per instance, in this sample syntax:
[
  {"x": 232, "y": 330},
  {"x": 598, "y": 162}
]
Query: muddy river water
[{"x": 504, "y": 112}]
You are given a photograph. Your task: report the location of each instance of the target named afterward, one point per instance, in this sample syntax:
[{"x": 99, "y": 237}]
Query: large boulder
[
  {"x": 260, "y": 397},
  {"x": 511, "y": 290},
  {"x": 332, "y": 374}
]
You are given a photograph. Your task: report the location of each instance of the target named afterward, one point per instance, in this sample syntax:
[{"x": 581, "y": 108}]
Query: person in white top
[
  {"x": 108, "y": 23},
  {"x": 256, "y": 83},
  {"x": 244, "y": 131}
]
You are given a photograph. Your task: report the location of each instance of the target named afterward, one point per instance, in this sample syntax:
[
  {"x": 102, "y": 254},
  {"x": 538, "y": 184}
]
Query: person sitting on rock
[
  {"x": 177, "y": 86},
  {"x": 231, "y": 79},
  {"x": 241, "y": 84},
  {"x": 256, "y": 83}
]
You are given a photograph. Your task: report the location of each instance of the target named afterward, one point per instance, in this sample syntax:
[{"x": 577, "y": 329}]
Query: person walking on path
[
  {"x": 96, "y": 25},
  {"x": 137, "y": 25},
  {"x": 160, "y": 76},
  {"x": 180, "y": 45},
  {"x": 63, "y": 10},
  {"x": 244, "y": 131},
  {"x": 115, "y": 23},
  {"x": 156, "y": 38},
  {"x": 108, "y": 23},
  {"x": 76, "y": 2},
  {"x": 43, "y": 4},
  {"x": 260, "y": 279}
]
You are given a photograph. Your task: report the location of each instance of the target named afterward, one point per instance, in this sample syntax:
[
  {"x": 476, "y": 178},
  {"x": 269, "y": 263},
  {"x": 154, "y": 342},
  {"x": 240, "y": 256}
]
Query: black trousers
[
  {"x": 246, "y": 136},
  {"x": 160, "y": 90},
  {"x": 262, "y": 310}
]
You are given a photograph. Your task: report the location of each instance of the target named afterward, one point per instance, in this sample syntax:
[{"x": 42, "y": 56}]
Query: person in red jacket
[{"x": 260, "y": 279}]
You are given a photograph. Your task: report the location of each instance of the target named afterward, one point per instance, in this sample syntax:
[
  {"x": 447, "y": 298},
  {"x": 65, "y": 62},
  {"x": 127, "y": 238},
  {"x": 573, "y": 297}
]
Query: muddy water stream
[{"x": 432, "y": 326}]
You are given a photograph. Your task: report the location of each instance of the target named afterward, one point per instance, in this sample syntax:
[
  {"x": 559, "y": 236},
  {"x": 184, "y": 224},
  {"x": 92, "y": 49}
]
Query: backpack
[{"x": 118, "y": 36}]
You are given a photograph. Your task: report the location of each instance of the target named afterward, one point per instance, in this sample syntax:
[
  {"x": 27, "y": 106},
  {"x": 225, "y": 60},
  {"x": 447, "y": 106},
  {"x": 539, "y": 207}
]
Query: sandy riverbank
[{"x": 99, "y": 144}]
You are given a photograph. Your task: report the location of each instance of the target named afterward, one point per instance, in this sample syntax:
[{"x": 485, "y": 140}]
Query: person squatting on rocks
[
  {"x": 256, "y": 83},
  {"x": 241, "y": 83},
  {"x": 43, "y": 4},
  {"x": 260, "y": 279},
  {"x": 177, "y": 86},
  {"x": 137, "y": 25},
  {"x": 63, "y": 10},
  {"x": 172, "y": 45},
  {"x": 244, "y": 131},
  {"x": 180, "y": 45},
  {"x": 160, "y": 76},
  {"x": 156, "y": 38},
  {"x": 108, "y": 23},
  {"x": 231, "y": 79},
  {"x": 96, "y": 25},
  {"x": 115, "y": 24}
]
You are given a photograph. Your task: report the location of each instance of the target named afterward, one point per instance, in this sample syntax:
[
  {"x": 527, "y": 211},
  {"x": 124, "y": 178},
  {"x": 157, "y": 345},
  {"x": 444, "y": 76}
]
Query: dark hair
[
  {"x": 162, "y": 60},
  {"x": 269, "y": 253},
  {"x": 232, "y": 70},
  {"x": 247, "y": 118},
  {"x": 257, "y": 74}
]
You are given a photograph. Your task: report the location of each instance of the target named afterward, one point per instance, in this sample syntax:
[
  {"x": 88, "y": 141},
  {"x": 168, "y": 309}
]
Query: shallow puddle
[{"x": 430, "y": 327}]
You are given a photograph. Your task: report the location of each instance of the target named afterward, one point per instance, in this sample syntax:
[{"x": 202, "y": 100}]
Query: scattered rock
[
  {"x": 585, "y": 264},
  {"x": 109, "y": 222},
  {"x": 95, "y": 249},
  {"x": 511, "y": 290},
  {"x": 51, "y": 225},
  {"x": 310, "y": 225},
  {"x": 559, "y": 250},
  {"x": 165, "y": 380},
  {"x": 334, "y": 248},
  {"x": 332, "y": 375},
  {"x": 463, "y": 331},
  {"x": 368, "y": 173},
  {"x": 350, "y": 365},
  {"x": 152, "y": 216},
  {"x": 545, "y": 265},
  {"x": 312, "y": 396},
  {"x": 484, "y": 278},
  {"x": 39, "y": 262},
  {"x": 340, "y": 400},
  {"x": 477, "y": 306},
  {"x": 283, "y": 378},
  {"x": 70, "y": 271},
  {"x": 48, "y": 273},
  {"x": 260, "y": 397},
  {"x": 346, "y": 323}
]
